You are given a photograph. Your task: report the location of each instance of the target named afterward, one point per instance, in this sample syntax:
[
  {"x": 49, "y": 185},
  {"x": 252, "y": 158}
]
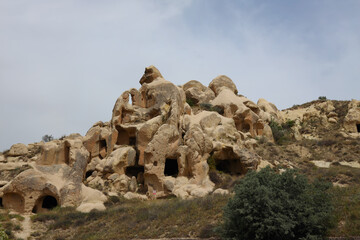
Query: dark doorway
[
  {"x": 132, "y": 141},
  {"x": 88, "y": 173},
  {"x": 171, "y": 167},
  {"x": 134, "y": 171},
  {"x": 358, "y": 127},
  {"x": 1, "y": 202},
  {"x": 49, "y": 202},
  {"x": 229, "y": 166},
  {"x": 67, "y": 155}
]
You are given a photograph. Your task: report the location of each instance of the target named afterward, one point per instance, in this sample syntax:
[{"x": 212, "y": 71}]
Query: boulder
[
  {"x": 197, "y": 92},
  {"x": 222, "y": 82},
  {"x": 18, "y": 150}
]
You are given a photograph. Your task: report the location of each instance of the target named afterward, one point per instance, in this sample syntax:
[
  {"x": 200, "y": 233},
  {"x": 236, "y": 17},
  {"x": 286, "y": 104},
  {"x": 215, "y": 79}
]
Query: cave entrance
[
  {"x": 45, "y": 203},
  {"x": 137, "y": 171},
  {"x": 358, "y": 127},
  {"x": 171, "y": 167},
  {"x": 67, "y": 155},
  {"x": 88, "y": 173},
  {"x": 13, "y": 201},
  {"x": 49, "y": 202},
  {"x": 126, "y": 136},
  {"x": 233, "y": 166},
  {"x": 246, "y": 128},
  {"x": 1, "y": 205},
  {"x": 102, "y": 148}
]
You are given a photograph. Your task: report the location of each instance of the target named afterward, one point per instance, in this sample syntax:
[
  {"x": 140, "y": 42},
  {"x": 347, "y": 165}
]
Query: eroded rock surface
[{"x": 159, "y": 142}]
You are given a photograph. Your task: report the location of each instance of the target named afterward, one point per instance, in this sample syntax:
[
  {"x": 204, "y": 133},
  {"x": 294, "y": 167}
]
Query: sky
[{"x": 64, "y": 63}]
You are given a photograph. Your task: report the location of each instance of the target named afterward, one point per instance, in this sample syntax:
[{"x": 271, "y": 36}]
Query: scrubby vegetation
[
  {"x": 210, "y": 107},
  {"x": 127, "y": 219},
  {"x": 282, "y": 133},
  {"x": 268, "y": 205},
  {"x": 8, "y": 225}
]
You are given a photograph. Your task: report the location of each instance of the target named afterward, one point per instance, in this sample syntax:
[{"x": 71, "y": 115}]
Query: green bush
[
  {"x": 190, "y": 102},
  {"x": 3, "y": 235},
  {"x": 47, "y": 138},
  {"x": 268, "y": 205},
  {"x": 281, "y": 132},
  {"x": 211, "y": 108},
  {"x": 322, "y": 98}
]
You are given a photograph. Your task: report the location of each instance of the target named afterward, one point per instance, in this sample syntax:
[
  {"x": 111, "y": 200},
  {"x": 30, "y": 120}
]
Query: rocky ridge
[{"x": 163, "y": 140}]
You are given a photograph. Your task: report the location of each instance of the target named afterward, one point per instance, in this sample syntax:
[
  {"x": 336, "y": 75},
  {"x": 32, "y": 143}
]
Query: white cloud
[{"x": 64, "y": 63}]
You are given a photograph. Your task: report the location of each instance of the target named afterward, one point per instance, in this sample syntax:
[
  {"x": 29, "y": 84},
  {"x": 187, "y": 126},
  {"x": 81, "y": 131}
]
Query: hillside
[{"x": 165, "y": 163}]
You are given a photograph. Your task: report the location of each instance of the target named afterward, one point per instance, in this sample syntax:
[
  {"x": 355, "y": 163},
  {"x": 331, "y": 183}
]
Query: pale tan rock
[
  {"x": 100, "y": 141},
  {"x": 151, "y": 74},
  {"x": 332, "y": 115},
  {"x": 353, "y": 164},
  {"x": 269, "y": 108},
  {"x": 221, "y": 82},
  {"x": 18, "y": 150},
  {"x": 326, "y": 106},
  {"x": 332, "y": 120},
  {"x": 55, "y": 184},
  {"x": 197, "y": 92},
  {"x": 92, "y": 200},
  {"x": 119, "y": 160},
  {"x": 264, "y": 164},
  {"x": 352, "y": 118},
  {"x": 133, "y": 184},
  {"x": 2, "y": 159},
  {"x": 187, "y": 109},
  {"x": 267, "y": 132},
  {"x": 321, "y": 164},
  {"x": 221, "y": 191},
  {"x": 131, "y": 195}
]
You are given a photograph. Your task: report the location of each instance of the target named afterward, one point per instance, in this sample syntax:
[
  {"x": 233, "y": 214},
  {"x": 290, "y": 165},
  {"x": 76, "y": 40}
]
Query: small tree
[
  {"x": 47, "y": 138},
  {"x": 3, "y": 235},
  {"x": 268, "y": 205}
]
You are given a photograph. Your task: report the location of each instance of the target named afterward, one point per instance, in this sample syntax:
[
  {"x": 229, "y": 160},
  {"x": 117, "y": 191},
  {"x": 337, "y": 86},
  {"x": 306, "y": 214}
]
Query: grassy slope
[{"x": 135, "y": 219}]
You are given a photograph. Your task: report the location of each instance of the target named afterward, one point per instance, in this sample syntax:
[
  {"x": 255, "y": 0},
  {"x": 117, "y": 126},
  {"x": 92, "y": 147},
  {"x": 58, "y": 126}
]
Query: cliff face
[{"x": 159, "y": 142}]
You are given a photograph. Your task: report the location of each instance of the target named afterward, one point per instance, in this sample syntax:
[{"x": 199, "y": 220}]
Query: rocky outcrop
[
  {"x": 352, "y": 118},
  {"x": 155, "y": 145}
]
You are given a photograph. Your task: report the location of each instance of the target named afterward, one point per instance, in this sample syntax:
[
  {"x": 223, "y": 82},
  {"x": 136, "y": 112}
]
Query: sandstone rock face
[
  {"x": 221, "y": 82},
  {"x": 352, "y": 118},
  {"x": 45, "y": 187},
  {"x": 198, "y": 93},
  {"x": 155, "y": 145},
  {"x": 18, "y": 149}
]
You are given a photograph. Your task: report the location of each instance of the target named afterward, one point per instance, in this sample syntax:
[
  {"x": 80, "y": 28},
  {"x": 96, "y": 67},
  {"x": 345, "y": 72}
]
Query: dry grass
[{"x": 136, "y": 219}]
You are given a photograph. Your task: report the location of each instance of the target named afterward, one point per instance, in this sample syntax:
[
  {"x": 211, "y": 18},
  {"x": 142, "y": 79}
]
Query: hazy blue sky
[{"x": 64, "y": 63}]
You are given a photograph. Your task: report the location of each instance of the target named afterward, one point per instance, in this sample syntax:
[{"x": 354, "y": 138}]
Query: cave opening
[
  {"x": 132, "y": 141},
  {"x": 358, "y": 127},
  {"x": 131, "y": 171},
  {"x": 49, "y": 202},
  {"x": 88, "y": 173},
  {"x": 246, "y": 128},
  {"x": 1, "y": 205},
  {"x": 13, "y": 201},
  {"x": 67, "y": 155},
  {"x": 232, "y": 166},
  {"x": 102, "y": 144},
  {"x": 102, "y": 148},
  {"x": 171, "y": 167}
]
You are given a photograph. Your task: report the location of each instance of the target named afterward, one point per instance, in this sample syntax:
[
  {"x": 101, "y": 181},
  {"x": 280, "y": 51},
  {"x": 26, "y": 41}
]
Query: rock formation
[{"x": 157, "y": 143}]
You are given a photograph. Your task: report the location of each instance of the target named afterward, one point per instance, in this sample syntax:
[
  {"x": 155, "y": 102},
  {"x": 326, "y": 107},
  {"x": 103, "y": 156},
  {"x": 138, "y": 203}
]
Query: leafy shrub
[
  {"x": 268, "y": 205},
  {"x": 210, "y": 107},
  {"x": 47, "y": 138},
  {"x": 282, "y": 132},
  {"x": 3, "y": 235},
  {"x": 190, "y": 102},
  {"x": 322, "y": 98}
]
